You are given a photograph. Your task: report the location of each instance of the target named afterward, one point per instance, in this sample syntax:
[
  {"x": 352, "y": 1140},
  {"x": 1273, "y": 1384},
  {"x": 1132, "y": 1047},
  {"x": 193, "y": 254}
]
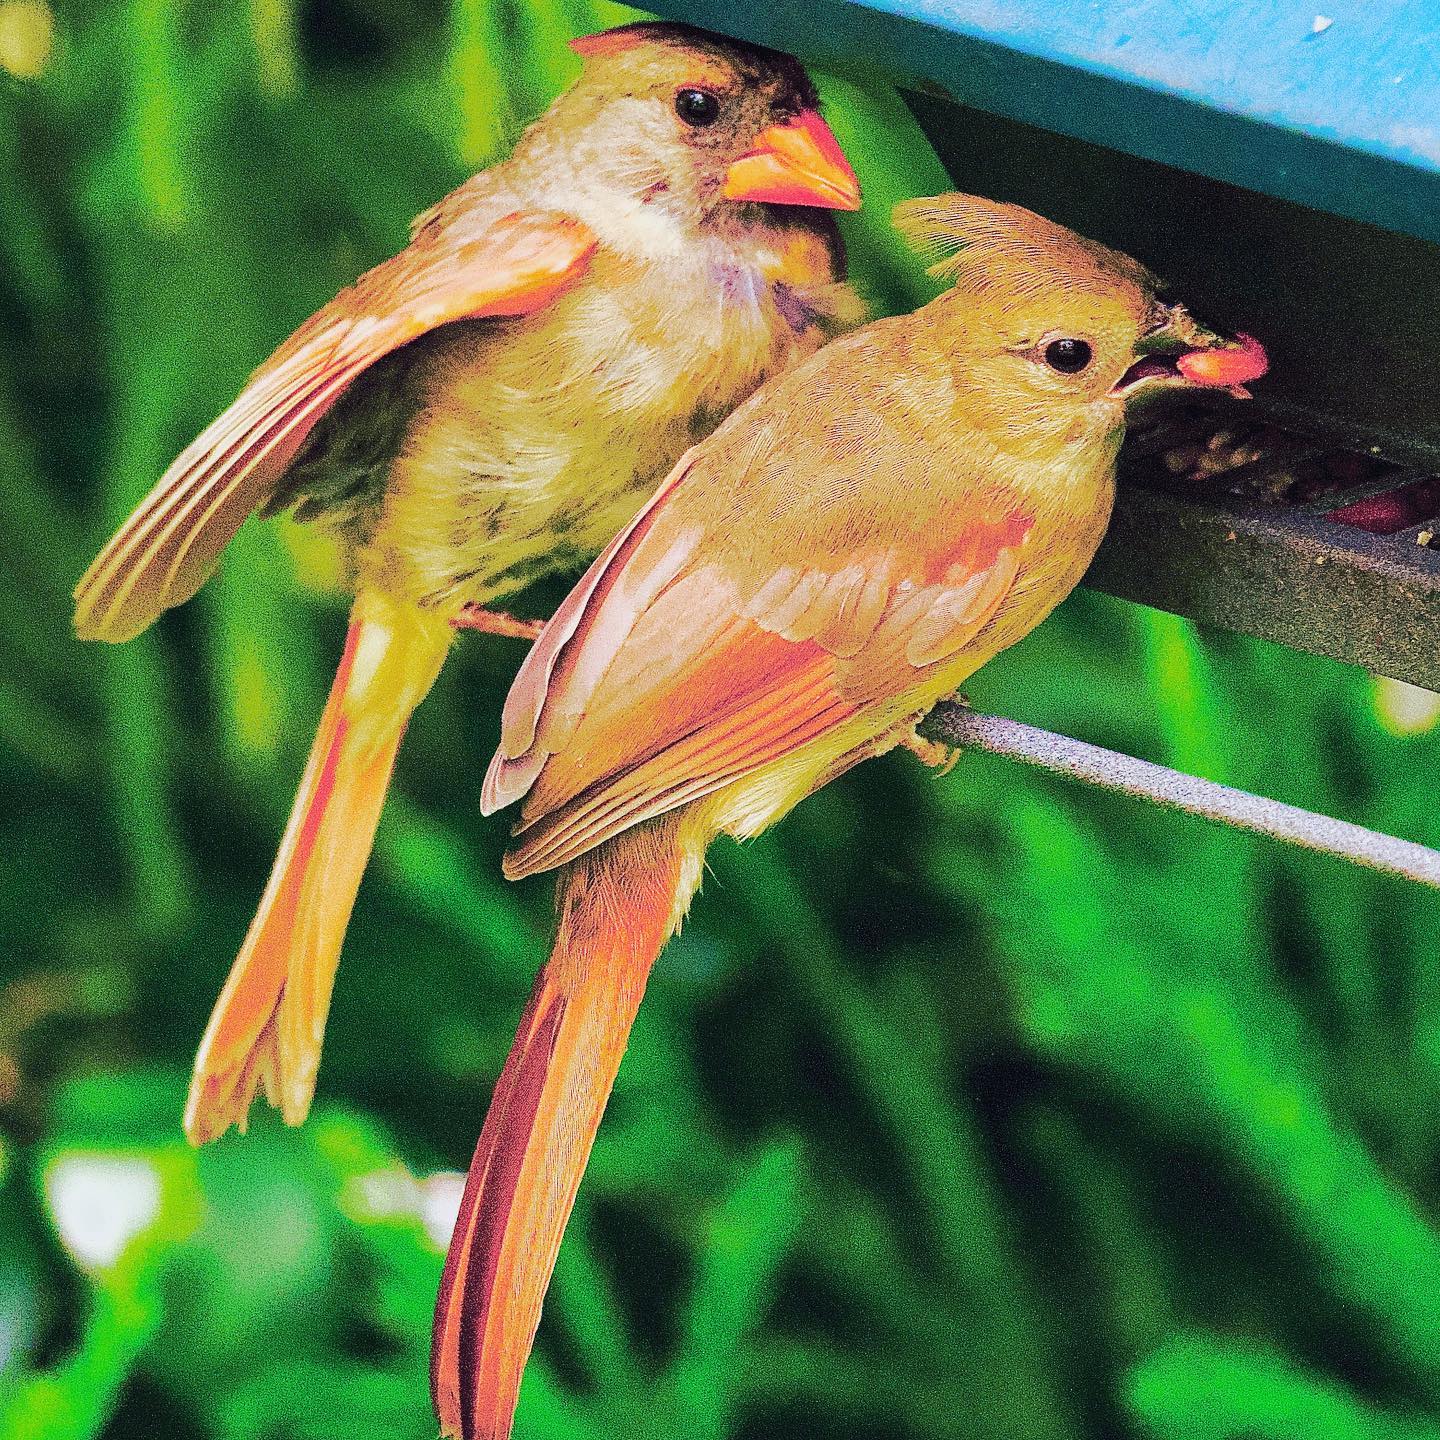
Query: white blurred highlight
[
  {"x": 99, "y": 1203},
  {"x": 1405, "y": 709},
  {"x": 390, "y": 1194},
  {"x": 440, "y": 1205}
]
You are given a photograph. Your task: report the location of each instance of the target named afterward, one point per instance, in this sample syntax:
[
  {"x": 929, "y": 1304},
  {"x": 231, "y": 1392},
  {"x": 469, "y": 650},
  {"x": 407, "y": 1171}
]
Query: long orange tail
[
  {"x": 618, "y": 906},
  {"x": 267, "y": 1026}
]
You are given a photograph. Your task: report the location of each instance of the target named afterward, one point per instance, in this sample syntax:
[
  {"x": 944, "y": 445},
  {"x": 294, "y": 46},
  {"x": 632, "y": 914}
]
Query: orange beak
[{"x": 799, "y": 163}]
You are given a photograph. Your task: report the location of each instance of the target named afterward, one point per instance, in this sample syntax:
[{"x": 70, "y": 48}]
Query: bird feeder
[{"x": 1281, "y": 168}]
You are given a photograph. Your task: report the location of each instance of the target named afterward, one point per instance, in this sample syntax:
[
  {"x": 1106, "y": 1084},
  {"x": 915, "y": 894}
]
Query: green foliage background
[{"x": 975, "y": 1107}]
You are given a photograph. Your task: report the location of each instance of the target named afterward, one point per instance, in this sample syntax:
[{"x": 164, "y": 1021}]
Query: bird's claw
[
  {"x": 941, "y": 758},
  {"x": 496, "y": 622}
]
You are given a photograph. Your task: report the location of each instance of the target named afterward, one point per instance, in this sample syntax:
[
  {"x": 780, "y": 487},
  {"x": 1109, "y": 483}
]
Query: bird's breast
[{"x": 538, "y": 438}]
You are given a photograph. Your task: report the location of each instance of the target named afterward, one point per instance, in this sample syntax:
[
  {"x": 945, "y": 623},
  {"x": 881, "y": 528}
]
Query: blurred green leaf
[
  {"x": 747, "y": 1237},
  {"x": 1202, "y": 1390}
]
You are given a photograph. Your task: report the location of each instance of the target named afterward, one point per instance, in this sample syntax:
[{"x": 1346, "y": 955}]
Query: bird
[
  {"x": 842, "y": 552},
  {"x": 489, "y": 405}
]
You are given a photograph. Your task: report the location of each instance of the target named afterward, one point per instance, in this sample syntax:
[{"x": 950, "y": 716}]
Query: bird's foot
[
  {"x": 496, "y": 622},
  {"x": 939, "y": 756}
]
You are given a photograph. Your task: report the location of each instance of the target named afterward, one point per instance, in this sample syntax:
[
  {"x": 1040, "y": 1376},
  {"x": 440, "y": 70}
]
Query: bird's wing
[
  {"x": 451, "y": 271},
  {"x": 679, "y": 664}
]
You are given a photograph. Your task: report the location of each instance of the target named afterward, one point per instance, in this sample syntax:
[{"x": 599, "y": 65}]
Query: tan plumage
[
  {"x": 852, "y": 543},
  {"x": 491, "y": 404}
]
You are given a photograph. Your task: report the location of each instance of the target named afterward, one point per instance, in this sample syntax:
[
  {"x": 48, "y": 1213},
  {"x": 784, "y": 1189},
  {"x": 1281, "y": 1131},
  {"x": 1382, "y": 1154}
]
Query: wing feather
[
  {"x": 536, "y": 689},
  {"x": 191, "y": 471},
  {"x": 770, "y": 722},
  {"x": 163, "y": 553}
]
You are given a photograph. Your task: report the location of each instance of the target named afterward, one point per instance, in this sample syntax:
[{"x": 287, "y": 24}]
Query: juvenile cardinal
[
  {"x": 492, "y": 403},
  {"x": 841, "y": 553}
]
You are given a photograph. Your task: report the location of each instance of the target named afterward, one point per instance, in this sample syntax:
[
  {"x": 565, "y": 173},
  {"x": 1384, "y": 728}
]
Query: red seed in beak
[{"x": 1221, "y": 369}]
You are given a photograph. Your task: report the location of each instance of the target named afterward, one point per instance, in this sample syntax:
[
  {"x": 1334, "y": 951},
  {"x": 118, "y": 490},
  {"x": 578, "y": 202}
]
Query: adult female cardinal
[
  {"x": 842, "y": 552},
  {"x": 491, "y": 403}
]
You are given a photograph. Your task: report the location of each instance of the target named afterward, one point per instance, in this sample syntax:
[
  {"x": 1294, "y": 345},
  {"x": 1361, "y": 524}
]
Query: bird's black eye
[
  {"x": 1069, "y": 357},
  {"x": 697, "y": 107}
]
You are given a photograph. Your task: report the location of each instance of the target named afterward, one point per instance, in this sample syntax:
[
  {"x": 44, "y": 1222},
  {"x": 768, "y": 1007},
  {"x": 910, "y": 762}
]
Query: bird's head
[
  {"x": 686, "y": 122},
  {"x": 1058, "y": 323}
]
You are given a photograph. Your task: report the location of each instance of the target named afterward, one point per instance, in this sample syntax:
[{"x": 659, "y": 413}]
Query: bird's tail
[
  {"x": 618, "y": 905},
  {"x": 267, "y": 1026}
]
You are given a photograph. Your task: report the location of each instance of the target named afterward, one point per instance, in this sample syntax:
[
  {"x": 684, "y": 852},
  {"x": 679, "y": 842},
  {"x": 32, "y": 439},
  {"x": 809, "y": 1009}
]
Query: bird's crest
[
  {"x": 626, "y": 37},
  {"x": 955, "y": 231}
]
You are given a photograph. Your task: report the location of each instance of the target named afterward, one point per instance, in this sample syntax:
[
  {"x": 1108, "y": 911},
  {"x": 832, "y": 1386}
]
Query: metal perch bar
[{"x": 1172, "y": 790}]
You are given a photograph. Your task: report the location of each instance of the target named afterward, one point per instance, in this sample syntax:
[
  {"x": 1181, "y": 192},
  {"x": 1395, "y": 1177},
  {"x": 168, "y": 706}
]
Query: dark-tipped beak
[
  {"x": 798, "y": 163},
  {"x": 1182, "y": 352}
]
